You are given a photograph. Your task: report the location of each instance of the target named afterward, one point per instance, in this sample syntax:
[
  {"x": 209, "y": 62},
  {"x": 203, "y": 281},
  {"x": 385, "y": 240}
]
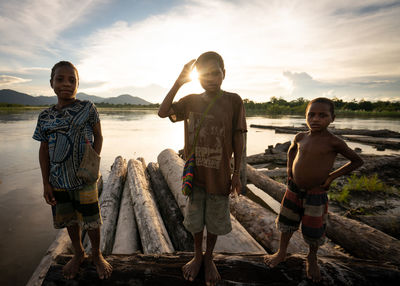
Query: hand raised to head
[{"x": 184, "y": 76}]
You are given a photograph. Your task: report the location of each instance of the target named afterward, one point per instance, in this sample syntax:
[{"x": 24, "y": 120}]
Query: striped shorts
[
  {"x": 308, "y": 207},
  {"x": 77, "y": 207}
]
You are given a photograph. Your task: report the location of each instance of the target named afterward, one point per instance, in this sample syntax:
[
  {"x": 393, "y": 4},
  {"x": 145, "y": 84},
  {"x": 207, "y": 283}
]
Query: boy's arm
[
  {"x": 291, "y": 154},
  {"x": 44, "y": 162},
  {"x": 238, "y": 146},
  {"x": 355, "y": 162},
  {"x": 98, "y": 138},
  {"x": 165, "y": 109}
]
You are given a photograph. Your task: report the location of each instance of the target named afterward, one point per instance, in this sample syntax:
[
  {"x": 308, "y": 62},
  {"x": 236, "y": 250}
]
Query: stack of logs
[{"x": 144, "y": 239}]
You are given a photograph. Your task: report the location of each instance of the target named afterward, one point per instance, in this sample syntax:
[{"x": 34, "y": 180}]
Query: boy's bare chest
[{"x": 319, "y": 147}]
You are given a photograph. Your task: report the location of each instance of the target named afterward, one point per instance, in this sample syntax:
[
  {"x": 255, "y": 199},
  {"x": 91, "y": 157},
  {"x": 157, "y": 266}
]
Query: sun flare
[{"x": 194, "y": 75}]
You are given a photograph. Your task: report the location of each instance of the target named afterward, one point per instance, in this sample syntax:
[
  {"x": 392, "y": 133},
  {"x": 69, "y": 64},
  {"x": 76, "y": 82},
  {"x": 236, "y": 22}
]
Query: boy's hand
[
  {"x": 236, "y": 185},
  {"x": 327, "y": 183},
  {"x": 184, "y": 76},
  {"x": 48, "y": 194}
]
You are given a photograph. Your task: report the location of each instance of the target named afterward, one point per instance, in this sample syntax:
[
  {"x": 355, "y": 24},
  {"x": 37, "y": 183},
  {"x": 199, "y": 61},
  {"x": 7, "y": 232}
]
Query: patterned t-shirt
[
  {"x": 64, "y": 130},
  {"x": 214, "y": 145}
]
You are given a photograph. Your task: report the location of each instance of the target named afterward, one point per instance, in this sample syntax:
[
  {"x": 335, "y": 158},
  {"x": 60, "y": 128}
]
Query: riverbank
[{"x": 249, "y": 111}]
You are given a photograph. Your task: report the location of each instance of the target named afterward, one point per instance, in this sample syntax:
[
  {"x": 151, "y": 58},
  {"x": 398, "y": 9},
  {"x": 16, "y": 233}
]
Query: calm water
[{"x": 25, "y": 223}]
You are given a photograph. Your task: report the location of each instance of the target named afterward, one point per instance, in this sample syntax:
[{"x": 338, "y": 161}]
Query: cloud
[
  {"x": 258, "y": 40},
  {"x": 31, "y": 27},
  {"x": 334, "y": 41},
  {"x": 6, "y": 80},
  {"x": 368, "y": 88}
]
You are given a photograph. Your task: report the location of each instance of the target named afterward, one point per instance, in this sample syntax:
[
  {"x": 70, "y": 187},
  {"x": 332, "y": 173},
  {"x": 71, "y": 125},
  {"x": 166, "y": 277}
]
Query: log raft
[{"x": 236, "y": 267}]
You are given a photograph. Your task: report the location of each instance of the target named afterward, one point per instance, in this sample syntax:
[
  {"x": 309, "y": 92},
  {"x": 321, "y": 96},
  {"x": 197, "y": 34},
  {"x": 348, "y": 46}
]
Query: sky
[{"x": 338, "y": 49}]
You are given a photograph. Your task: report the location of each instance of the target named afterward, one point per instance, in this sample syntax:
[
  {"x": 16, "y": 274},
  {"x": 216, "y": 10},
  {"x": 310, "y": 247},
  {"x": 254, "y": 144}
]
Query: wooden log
[
  {"x": 362, "y": 240},
  {"x": 260, "y": 223},
  {"x": 358, "y": 239},
  {"x": 109, "y": 204},
  {"x": 289, "y": 131},
  {"x": 169, "y": 209},
  {"x": 277, "y": 158},
  {"x": 277, "y": 172},
  {"x": 126, "y": 234},
  {"x": 243, "y": 269},
  {"x": 153, "y": 235},
  {"x": 374, "y": 163},
  {"x": 60, "y": 245},
  {"x": 384, "y": 133},
  {"x": 238, "y": 240},
  {"x": 385, "y": 143},
  {"x": 389, "y": 224},
  {"x": 265, "y": 183}
]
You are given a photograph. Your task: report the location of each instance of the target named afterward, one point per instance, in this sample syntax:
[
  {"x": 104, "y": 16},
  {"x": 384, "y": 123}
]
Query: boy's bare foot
[
  {"x": 72, "y": 267},
  {"x": 211, "y": 273},
  {"x": 191, "y": 269},
  {"x": 103, "y": 268},
  {"x": 312, "y": 269},
  {"x": 274, "y": 259}
]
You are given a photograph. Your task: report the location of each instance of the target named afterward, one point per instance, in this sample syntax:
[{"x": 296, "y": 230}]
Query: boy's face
[
  {"x": 318, "y": 116},
  {"x": 65, "y": 83},
  {"x": 210, "y": 76}
]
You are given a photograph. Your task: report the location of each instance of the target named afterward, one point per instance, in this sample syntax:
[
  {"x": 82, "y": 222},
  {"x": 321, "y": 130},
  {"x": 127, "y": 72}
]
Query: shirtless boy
[{"x": 310, "y": 161}]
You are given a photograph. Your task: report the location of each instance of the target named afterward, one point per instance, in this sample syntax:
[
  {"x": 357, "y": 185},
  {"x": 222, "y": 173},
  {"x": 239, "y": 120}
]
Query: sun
[{"x": 194, "y": 75}]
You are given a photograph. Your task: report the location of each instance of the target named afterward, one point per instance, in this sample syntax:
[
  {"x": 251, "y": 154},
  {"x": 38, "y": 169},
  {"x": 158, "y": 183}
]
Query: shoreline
[{"x": 249, "y": 112}]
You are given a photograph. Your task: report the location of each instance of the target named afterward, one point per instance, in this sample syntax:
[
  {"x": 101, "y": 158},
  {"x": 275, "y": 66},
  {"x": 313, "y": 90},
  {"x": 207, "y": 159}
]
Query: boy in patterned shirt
[{"x": 62, "y": 131}]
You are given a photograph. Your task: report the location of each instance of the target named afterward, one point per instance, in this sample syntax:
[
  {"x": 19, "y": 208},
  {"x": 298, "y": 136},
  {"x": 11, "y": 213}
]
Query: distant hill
[{"x": 14, "y": 97}]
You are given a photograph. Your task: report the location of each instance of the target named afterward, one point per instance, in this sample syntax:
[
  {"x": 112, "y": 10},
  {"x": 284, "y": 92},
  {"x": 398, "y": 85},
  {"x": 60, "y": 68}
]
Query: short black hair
[
  {"x": 62, "y": 64},
  {"x": 323, "y": 100},
  {"x": 210, "y": 56}
]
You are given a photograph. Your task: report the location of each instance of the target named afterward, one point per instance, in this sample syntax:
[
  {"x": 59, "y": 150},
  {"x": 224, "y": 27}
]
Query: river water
[{"x": 26, "y": 224}]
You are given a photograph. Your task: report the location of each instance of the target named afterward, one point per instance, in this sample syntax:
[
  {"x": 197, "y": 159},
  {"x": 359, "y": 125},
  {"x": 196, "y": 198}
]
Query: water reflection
[{"x": 7, "y": 116}]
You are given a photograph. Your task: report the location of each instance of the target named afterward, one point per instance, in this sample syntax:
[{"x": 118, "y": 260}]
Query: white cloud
[
  {"x": 331, "y": 42},
  {"x": 6, "y": 80},
  {"x": 29, "y": 27},
  {"x": 258, "y": 40}
]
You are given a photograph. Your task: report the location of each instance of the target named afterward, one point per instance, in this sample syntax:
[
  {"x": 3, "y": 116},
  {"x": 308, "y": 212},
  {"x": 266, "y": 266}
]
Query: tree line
[{"x": 277, "y": 106}]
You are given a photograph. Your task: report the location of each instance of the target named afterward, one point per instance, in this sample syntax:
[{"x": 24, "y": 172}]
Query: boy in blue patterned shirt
[{"x": 62, "y": 131}]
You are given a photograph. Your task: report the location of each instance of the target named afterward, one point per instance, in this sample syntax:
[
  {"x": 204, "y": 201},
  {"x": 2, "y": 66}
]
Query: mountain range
[{"x": 15, "y": 97}]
